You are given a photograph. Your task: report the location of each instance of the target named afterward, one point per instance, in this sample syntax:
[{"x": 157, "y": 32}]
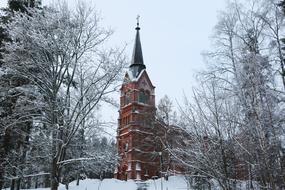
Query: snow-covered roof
[{"x": 132, "y": 77}]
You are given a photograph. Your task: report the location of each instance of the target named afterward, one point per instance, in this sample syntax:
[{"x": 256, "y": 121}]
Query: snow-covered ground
[{"x": 174, "y": 183}]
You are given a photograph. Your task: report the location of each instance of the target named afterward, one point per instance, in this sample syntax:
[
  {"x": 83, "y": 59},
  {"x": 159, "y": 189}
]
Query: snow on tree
[
  {"x": 18, "y": 106},
  {"x": 49, "y": 47},
  {"x": 235, "y": 122}
]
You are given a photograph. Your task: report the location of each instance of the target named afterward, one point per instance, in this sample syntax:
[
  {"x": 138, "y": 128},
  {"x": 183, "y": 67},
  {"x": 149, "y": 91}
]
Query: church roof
[
  {"x": 132, "y": 77},
  {"x": 129, "y": 77},
  {"x": 137, "y": 64}
]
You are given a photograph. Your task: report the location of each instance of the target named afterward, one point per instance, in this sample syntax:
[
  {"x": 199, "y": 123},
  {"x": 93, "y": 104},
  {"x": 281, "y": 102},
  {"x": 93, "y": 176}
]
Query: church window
[
  {"x": 129, "y": 166},
  {"x": 127, "y": 98},
  {"x": 146, "y": 173},
  {"x": 138, "y": 176},
  {"x": 147, "y": 93},
  {"x": 143, "y": 96},
  {"x": 126, "y": 147},
  {"x": 138, "y": 166}
]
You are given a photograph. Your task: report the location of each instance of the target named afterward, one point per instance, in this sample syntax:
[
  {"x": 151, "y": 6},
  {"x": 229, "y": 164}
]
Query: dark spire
[{"x": 137, "y": 64}]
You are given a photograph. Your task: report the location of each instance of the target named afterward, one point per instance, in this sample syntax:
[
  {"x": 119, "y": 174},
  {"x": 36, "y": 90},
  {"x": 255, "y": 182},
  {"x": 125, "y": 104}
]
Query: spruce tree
[{"x": 16, "y": 106}]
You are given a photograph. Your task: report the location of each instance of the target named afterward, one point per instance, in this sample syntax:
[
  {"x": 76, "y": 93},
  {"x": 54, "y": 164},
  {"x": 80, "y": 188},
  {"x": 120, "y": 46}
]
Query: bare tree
[
  {"x": 234, "y": 131},
  {"x": 272, "y": 15},
  {"x": 57, "y": 43},
  {"x": 211, "y": 124}
]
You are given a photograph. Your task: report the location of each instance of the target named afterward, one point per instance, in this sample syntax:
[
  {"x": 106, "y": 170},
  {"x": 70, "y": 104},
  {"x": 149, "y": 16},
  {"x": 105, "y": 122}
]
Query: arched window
[{"x": 143, "y": 96}]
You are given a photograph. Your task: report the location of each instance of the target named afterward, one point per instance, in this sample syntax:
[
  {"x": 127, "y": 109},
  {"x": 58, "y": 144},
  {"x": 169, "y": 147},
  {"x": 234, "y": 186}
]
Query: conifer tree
[{"x": 17, "y": 106}]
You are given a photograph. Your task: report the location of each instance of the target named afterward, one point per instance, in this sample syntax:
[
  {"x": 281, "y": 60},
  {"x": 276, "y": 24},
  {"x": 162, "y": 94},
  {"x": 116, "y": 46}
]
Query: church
[{"x": 139, "y": 139}]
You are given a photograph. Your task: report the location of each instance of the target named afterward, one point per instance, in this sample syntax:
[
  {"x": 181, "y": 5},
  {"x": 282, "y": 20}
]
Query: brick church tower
[{"x": 137, "y": 140}]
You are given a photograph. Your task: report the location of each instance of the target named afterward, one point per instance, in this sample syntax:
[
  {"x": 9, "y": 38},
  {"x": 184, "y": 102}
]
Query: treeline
[
  {"x": 234, "y": 123},
  {"x": 54, "y": 74}
]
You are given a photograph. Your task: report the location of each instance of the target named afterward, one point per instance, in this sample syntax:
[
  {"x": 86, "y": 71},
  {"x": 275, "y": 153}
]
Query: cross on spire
[
  {"x": 138, "y": 20},
  {"x": 137, "y": 64},
  {"x": 138, "y": 23}
]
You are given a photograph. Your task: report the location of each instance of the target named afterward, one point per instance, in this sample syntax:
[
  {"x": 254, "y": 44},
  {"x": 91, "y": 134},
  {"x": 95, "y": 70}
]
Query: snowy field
[{"x": 174, "y": 183}]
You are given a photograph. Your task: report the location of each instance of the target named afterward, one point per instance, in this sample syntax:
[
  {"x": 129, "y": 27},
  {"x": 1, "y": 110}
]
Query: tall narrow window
[
  {"x": 146, "y": 173},
  {"x": 126, "y": 147},
  {"x": 129, "y": 166},
  {"x": 147, "y": 96},
  {"x": 138, "y": 166},
  {"x": 138, "y": 175},
  {"x": 143, "y": 96},
  {"x": 127, "y": 98}
]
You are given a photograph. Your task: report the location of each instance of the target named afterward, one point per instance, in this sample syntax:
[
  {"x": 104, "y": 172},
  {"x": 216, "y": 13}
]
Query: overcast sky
[{"x": 173, "y": 35}]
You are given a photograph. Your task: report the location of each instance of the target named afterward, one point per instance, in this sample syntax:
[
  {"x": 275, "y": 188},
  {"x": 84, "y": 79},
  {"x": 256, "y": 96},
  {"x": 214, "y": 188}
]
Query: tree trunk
[
  {"x": 36, "y": 182},
  {"x": 4, "y": 149},
  {"x": 66, "y": 186},
  {"x": 1, "y": 176},
  {"x": 2, "y": 167},
  {"x": 47, "y": 181},
  {"x": 29, "y": 183},
  {"x": 12, "y": 184},
  {"x": 54, "y": 175},
  {"x": 18, "y": 187},
  {"x": 78, "y": 179},
  {"x": 250, "y": 177}
]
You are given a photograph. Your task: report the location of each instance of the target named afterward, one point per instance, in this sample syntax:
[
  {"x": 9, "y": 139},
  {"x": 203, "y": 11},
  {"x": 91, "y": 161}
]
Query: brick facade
[
  {"x": 137, "y": 132},
  {"x": 138, "y": 135}
]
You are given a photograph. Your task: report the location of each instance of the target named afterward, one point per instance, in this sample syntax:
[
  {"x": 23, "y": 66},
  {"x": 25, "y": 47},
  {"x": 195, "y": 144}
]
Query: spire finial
[
  {"x": 138, "y": 22},
  {"x": 137, "y": 64}
]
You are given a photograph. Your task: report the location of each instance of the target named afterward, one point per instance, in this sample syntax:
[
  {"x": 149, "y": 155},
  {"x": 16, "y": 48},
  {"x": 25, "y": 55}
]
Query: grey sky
[{"x": 173, "y": 35}]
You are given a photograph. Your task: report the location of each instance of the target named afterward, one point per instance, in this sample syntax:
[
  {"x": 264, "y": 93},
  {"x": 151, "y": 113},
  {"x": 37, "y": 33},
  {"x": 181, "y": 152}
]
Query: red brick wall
[{"x": 136, "y": 135}]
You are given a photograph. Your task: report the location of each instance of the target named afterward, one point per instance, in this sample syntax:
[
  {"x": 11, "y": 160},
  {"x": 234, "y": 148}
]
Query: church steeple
[
  {"x": 137, "y": 64},
  {"x": 136, "y": 115}
]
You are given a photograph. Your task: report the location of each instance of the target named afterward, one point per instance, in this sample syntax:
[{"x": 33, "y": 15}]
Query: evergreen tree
[{"x": 17, "y": 103}]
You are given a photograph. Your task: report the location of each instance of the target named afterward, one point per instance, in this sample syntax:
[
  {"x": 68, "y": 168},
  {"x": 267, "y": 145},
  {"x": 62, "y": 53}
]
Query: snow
[
  {"x": 106, "y": 184},
  {"x": 173, "y": 183},
  {"x": 177, "y": 182},
  {"x": 1, "y": 72},
  {"x": 282, "y": 140},
  {"x": 134, "y": 78}
]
